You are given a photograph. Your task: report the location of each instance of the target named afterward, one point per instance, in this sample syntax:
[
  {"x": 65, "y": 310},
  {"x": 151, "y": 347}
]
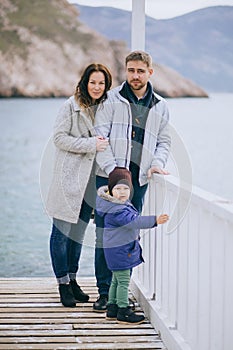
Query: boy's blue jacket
[{"x": 122, "y": 224}]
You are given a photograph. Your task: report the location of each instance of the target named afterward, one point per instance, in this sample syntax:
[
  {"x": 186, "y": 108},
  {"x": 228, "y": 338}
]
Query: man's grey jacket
[{"x": 113, "y": 120}]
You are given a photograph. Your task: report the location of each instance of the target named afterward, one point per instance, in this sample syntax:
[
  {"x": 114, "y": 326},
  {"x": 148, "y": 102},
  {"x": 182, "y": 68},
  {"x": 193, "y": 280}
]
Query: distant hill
[
  {"x": 44, "y": 47},
  {"x": 198, "y": 45}
]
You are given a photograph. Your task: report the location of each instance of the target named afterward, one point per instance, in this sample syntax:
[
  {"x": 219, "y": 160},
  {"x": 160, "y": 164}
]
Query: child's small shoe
[
  {"x": 126, "y": 315},
  {"x": 112, "y": 310}
]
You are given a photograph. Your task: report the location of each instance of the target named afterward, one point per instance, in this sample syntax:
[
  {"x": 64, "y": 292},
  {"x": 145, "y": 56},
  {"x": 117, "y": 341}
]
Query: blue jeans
[
  {"x": 138, "y": 191},
  {"x": 66, "y": 244},
  {"x": 102, "y": 273}
]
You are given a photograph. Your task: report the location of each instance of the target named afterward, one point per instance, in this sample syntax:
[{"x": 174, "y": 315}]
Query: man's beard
[{"x": 139, "y": 85}]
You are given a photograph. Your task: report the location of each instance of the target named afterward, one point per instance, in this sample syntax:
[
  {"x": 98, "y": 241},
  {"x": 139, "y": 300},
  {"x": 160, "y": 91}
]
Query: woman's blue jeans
[
  {"x": 66, "y": 244},
  {"x": 102, "y": 273}
]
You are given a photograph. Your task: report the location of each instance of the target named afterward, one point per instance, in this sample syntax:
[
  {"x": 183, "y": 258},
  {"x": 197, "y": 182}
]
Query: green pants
[{"x": 118, "y": 292}]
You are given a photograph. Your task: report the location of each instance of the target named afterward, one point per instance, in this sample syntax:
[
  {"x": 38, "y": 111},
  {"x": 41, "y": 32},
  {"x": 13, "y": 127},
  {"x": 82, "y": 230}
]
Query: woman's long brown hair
[{"x": 81, "y": 93}]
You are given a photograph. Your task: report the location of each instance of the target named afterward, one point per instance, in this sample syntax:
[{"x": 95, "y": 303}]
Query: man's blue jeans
[
  {"x": 66, "y": 244},
  {"x": 102, "y": 273}
]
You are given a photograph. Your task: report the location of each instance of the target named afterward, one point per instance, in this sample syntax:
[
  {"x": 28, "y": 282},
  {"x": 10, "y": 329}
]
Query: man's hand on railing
[{"x": 157, "y": 170}]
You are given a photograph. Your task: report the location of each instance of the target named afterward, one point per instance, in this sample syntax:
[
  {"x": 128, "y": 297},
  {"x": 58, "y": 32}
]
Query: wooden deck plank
[
  {"x": 14, "y": 327},
  {"x": 56, "y": 338},
  {"x": 29, "y": 307},
  {"x": 81, "y": 332},
  {"x": 100, "y": 346},
  {"x": 112, "y": 325},
  {"x": 47, "y": 314},
  {"x": 36, "y": 298},
  {"x": 32, "y": 317},
  {"x": 60, "y": 320}
]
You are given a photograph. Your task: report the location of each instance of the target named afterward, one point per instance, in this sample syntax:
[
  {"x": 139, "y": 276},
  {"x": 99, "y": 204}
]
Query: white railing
[{"x": 186, "y": 283}]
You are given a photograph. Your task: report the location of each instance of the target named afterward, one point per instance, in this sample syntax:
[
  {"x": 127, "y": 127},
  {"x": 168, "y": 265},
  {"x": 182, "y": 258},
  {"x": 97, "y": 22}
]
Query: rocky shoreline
[{"x": 42, "y": 57}]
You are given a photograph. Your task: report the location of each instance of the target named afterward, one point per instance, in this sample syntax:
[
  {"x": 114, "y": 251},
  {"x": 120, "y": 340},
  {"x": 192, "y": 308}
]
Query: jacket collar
[
  {"x": 74, "y": 103},
  {"x": 118, "y": 90}
]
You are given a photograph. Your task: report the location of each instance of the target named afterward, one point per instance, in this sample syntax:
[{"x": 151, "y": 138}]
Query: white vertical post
[{"x": 138, "y": 25}]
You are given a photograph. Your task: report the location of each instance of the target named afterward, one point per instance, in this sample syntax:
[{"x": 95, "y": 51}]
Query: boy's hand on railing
[
  {"x": 162, "y": 219},
  {"x": 155, "y": 169}
]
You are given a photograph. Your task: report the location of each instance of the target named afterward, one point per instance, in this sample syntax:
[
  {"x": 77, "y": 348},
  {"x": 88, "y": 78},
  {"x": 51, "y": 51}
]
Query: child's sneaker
[
  {"x": 125, "y": 315},
  {"x": 111, "y": 312}
]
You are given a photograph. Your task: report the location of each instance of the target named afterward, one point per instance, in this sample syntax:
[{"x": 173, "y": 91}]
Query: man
[{"x": 135, "y": 120}]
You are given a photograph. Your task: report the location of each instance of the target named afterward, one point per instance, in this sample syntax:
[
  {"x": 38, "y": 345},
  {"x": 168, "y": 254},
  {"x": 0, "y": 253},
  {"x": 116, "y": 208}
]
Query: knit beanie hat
[{"x": 119, "y": 176}]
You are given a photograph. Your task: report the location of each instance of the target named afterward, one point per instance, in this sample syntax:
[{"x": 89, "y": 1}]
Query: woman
[{"x": 72, "y": 192}]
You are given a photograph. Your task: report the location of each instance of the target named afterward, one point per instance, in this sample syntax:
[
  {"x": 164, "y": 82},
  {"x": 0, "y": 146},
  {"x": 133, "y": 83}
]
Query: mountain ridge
[
  {"x": 44, "y": 47},
  {"x": 198, "y": 45}
]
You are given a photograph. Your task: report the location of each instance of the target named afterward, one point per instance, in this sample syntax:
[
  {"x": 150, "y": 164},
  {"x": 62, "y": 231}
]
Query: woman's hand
[{"x": 101, "y": 144}]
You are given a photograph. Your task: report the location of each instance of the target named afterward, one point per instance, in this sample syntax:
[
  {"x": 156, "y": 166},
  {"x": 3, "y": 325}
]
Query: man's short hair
[{"x": 139, "y": 56}]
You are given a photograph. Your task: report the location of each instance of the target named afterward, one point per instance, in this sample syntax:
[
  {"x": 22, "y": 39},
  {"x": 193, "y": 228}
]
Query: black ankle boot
[
  {"x": 66, "y": 295},
  {"x": 78, "y": 293},
  {"x": 100, "y": 305},
  {"x": 125, "y": 315},
  {"x": 111, "y": 311}
]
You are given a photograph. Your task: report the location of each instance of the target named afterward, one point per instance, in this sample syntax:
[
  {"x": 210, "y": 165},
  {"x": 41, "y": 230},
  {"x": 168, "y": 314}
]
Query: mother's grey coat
[{"x": 75, "y": 141}]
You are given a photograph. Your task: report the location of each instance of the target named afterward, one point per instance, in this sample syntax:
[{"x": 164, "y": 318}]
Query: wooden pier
[{"x": 32, "y": 317}]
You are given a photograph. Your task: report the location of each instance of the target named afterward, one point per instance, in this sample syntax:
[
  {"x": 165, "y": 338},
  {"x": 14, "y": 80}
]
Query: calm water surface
[{"x": 205, "y": 126}]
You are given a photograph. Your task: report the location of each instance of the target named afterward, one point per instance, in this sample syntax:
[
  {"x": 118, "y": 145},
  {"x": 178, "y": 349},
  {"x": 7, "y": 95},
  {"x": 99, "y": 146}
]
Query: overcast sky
[{"x": 158, "y": 8}]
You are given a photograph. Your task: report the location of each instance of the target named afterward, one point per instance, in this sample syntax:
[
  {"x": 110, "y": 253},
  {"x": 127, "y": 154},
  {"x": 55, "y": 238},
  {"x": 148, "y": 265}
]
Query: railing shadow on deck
[{"x": 186, "y": 283}]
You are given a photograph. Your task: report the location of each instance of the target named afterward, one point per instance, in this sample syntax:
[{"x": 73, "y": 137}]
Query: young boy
[{"x": 122, "y": 224}]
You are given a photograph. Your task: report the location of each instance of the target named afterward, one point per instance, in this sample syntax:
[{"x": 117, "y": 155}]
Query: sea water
[{"x": 204, "y": 125}]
